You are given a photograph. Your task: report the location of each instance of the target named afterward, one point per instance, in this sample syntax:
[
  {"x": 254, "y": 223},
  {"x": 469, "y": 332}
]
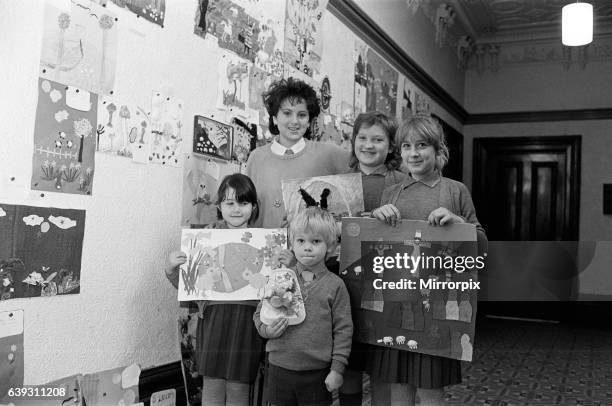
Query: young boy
[{"x": 307, "y": 360}]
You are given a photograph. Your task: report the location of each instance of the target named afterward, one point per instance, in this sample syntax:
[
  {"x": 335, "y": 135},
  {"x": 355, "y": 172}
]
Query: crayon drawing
[
  {"x": 303, "y": 42},
  {"x": 64, "y": 139},
  {"x": 201, "y": 178},
  {"x": 381, "y": 83},
  {"x": 42, "y": 253},
  {"x": 212, "y": 137},
  {"x": 345, "y": 194},
  {"x": 150, "y": 10},
  {"x": 245, "y": 140},
  {"x": 233, "y": 90},
  {"x": 228, "y": 264},
  {"x": 409, "y": 306},
  {"x": 166, "y": 129},
  {"x": 79, "y": 46}
]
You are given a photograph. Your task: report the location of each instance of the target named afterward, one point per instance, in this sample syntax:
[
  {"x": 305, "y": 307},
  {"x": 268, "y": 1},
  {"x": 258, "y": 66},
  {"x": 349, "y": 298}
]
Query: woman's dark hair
[
  {"x": 295, "y": 91},
  {"x": 389, "y": 126},
  {"x": 245, "y": 193}
]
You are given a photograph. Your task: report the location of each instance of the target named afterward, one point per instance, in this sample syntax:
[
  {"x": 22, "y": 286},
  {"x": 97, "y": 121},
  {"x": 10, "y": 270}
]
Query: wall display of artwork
[
  {"x": 40, "y": 251},
  {"x": 405, "y": 98},
  {"x": 259, "y": 81},
  {"x": 345, "y": 194},
  {"x": 11, "y": 351},
  {"x": 426, "y": 318},
  {"x": 303, "y": 40},
  {"x": 64, "y": 139},
  {"x": 123, "y": 129},
  {"x": 219, "y": 267},
  {"x": 166, "y": 129},
  {"x": 233, "y": 90},
  {"x": 201, "y": 178},
  {"x": 211, "y": 137},
  {"x": 244, "y": 141},
  {"x": 79, "y": 46},
  {"x": 150, "y": 10}
]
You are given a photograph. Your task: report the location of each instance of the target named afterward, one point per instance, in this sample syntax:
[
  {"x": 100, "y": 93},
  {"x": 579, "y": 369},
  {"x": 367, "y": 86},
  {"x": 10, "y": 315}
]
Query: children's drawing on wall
[
  {"x": 344, "y": 194},
  {"x": 325, "y": 94},
  {"x": 421, "y": 104},
  {"x": 405, "y": 99},
  {"x": 244, "y": 141},
  {"x": 381, "y": 86},
  {"x": 259, "y": 81},
  {"x": 117, "y": 386},
  {"x": 363, "y": 75},
  {"x": 201, "y": 178},
  {"x": 43, "y": 253},
  {"x": 233, "y": 91},
  {"x": 166, "y": 129},
  {"x": 303, "y": 40},
  {"x": 219, "y": 268},
  {"x": 212, "y": 137},
  {"x": 150, "y": 10},
  {"x": 11, "y": 352},
  {"x": 64, "y": 139},
  {"x": 123, "y": 129},
  {"x": 234, "y": 29},
  {"x": 432, "y": 318},
  {"x": 331, "y": 130},
  {"x": 79, "y": 46}
]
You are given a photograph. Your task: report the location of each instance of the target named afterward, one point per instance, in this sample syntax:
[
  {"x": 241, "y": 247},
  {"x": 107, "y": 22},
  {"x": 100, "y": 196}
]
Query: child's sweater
[
  {"x": 324, "y": 338},
  {"x": 267, "y": 171}
]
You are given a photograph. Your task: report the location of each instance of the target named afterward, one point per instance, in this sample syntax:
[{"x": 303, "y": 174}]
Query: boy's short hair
[
  {"x": 317, "y": 221},
  {"x": 388, "y": 125},
  {"x": 295, "y": 91},
  {"x": 430, "y": 130}
]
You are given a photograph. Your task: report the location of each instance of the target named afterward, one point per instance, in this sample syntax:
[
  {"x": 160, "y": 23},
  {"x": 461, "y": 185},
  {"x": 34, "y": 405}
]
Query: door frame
[{"x": 569, "y": 144}]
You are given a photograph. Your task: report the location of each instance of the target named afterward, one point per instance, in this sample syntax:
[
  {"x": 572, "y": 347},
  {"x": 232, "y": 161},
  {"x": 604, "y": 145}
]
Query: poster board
[{"x": 398, "y": 277}]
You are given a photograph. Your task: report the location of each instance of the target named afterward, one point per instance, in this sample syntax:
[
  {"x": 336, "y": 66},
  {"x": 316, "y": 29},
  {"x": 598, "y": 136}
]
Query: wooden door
[{"x": 526, "y": 193}]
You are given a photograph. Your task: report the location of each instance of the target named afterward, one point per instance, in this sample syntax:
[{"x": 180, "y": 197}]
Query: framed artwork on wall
[{"x": 212, "y": 137}]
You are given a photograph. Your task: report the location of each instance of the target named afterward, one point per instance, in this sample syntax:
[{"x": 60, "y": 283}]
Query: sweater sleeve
[
  {"x": 259, "y": 325},
  {"x": 468, "y": 212},
  {"x": 174, "y": 276},
  {"x": 342, "y": 329}
]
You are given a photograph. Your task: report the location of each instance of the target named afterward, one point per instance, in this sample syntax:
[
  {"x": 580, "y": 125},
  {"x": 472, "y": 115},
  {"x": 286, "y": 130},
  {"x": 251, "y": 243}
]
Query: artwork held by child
[
  {"x": 228, "y": 264},
  {"x": 233, "y": 90},
  {"x": 381, "y": 83},
  {"x": 79, "y": 46},
  {"x": 406, "y": 305},
  {"x": 201, "y": 178},
  {"x": 40, "y": 254},
  {"x": 344, "y": 194},
  {"x": 150, "y": 10},
  {"x": 64, "y": 139},
  {"x": 282, "y": 298},
  {"x": 187, "y": 329},
  {"x": 123, "y": 129},
  {"x": 303, "y": 39},
  {"x": 11, "y": 353},
  {"x": 245, "y": 140},
  {"x": 166, "y": 129},
  {"x": 211, "y": 137}
]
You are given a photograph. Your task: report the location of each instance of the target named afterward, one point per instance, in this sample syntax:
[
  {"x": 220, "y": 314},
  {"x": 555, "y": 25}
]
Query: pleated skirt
[
  {"x": 420, "y": 370},
  {"x": 228, "y": 345}
]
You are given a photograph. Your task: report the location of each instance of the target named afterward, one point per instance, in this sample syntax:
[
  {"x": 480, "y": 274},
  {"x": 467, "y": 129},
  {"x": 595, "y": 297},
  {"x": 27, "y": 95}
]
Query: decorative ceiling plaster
[{"x": 493, "y": 34}]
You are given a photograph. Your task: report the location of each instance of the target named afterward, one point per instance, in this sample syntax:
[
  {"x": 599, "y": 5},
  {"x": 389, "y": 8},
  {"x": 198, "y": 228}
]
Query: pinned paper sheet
[
  {"x": 212, "y": 168},
  {"x": 11, "y": 351},
  {"x": 164, "y": 398},
  {"x": 130, "y": 376}
]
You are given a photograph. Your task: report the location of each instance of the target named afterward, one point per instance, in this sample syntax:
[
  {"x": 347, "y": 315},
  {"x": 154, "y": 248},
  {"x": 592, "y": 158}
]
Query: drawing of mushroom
[
  {"x": 106, "y": 23},
  {"x": 111, "y": 108},
  {"x": 124, "y": 113},
  {"x": 63, "y": 21}
]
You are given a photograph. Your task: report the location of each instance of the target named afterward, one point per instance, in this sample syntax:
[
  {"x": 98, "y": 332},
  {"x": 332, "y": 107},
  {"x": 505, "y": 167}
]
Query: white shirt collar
[{"x": 278, "y": 149}]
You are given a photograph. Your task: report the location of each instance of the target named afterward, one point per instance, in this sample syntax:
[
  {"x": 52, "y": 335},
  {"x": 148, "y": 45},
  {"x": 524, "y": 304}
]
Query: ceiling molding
[{"x": 363, "y": 26}]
